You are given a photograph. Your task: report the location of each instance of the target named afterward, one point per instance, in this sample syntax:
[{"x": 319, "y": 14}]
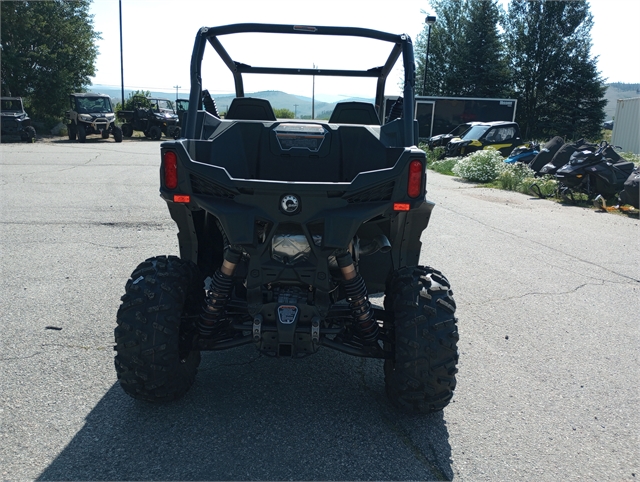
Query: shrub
[
  {"x": 631, "y": 157},
  {"x": 432, "y": 155},
  {"x": 480, "y": 166},
  {"x": 444, "y": 166},
  {"x": 435, "y": 155},
  {"x": 511, "y": 176},
  {"x": 545, "y": 186}
]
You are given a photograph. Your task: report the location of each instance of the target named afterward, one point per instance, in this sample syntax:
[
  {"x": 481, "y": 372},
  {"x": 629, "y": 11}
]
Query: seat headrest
[
  {"x": 250, "y": 108},
  {"x": 354, "y": 113}
]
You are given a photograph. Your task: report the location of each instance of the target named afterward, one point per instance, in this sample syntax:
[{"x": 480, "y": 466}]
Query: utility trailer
[{"x": 441, "y": 115}]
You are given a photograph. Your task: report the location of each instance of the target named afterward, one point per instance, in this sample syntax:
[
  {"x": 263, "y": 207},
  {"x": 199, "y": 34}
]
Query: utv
[
  {"x": 441, "y": 140},
  {"x": 151, "y": 116},
  {"x": 500, "y": 135},
  {"x": 182, "y": 107},
  {"x": 285, "y": 230},
  {"x": 91, "y": 114},
  {"x": 14, "y": 120}
]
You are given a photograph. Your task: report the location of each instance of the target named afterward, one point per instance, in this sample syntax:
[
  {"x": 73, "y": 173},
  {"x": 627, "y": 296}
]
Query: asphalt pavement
[{"x": 548, "y": 307}]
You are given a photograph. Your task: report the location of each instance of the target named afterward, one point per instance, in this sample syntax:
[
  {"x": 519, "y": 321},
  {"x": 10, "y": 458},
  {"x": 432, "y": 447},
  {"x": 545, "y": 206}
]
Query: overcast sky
[{"x": 158, "y": 39}]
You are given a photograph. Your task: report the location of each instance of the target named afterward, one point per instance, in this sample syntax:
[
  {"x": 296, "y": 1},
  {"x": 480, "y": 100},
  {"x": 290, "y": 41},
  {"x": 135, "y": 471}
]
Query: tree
[
  {"x": 138, "y": 98},
  {"x": 284, "y": 113},
  {"x": 466, "y": 54},
  {"x": 48, "y": 52},
  {"x": 483, "y": 70},
  {"x": 556, "y": 82},
  {"x": 579, "y": 100},
  {"x": 444, "y": 48}
]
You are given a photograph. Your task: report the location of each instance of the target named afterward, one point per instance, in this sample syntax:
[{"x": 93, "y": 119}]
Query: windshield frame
[
  {"x": 12, "y": 104},
  {"x": 82, "y": 104}
]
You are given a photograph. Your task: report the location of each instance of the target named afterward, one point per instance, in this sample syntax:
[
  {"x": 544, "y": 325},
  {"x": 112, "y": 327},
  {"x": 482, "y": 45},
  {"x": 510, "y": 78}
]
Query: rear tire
[
  {"x": 421, "y": 376},
  {"x": 82, "y": 133},
  {"x": 127, "y": 130},
  {"x": 105, "y": 134},
  {"x": 153, "y": 362},
  {"x": 117, "y": 133}
]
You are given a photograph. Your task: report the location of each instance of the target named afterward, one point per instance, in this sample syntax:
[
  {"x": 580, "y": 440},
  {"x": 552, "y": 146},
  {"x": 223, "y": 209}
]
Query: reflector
[
  {"x": 181, "y": 198},
  {"x": 401, "y": 206}
]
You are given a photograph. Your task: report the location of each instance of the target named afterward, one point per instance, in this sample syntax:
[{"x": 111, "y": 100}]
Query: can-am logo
[
  {"x": 289, "y": 204},
  {"x": 504, "y": 102}
]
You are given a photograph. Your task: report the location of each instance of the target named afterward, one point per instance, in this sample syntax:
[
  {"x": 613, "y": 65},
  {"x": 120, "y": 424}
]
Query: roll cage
[{"x": 401, "y": 44}]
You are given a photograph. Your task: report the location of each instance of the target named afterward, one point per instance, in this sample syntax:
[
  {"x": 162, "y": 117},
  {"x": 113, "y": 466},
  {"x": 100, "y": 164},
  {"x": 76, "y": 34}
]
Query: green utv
[{"x": 286, "y": 229}]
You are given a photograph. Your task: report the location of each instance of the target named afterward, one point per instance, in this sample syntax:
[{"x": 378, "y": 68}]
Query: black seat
[
  {"x": 354, "y": 113},
  {"x": 250, "y": 108}
]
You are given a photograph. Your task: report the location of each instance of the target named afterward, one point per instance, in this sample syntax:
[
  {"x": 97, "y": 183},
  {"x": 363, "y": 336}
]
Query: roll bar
[{"x": 401, "y": 45}]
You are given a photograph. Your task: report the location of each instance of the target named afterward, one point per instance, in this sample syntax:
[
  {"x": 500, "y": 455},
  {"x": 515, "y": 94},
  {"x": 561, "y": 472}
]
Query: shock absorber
[
  {"x": 219, "y": 292},
  {"x": 358, "y": 299}
]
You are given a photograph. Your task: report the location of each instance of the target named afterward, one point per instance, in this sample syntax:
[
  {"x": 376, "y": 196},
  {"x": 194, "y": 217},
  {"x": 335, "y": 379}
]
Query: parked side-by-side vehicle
[{"x": 286, "y": 228}]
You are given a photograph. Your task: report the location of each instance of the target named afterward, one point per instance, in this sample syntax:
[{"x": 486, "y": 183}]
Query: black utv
[
  {"x": 151, "y": 116},
  {"x": 500, "y": 135},
  {"x": 14, "y": 121},
  {"x": 91, "y": 114},
  {"x": 286, "y": 228}
]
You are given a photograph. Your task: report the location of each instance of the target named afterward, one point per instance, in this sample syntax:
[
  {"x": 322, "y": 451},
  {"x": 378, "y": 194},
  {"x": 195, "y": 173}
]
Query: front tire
[
  {"x": 117, "y": 134},
  {"x": 72, "y": 130},
  {"x": 28, "y": 134},
  {"x": 127, "y": 130},
  {"x": 153, "y": 360},
  {"x": 420, "y": 378},
  {"x": 82, "y": 133},
  {"x": 155, "y": 133}
]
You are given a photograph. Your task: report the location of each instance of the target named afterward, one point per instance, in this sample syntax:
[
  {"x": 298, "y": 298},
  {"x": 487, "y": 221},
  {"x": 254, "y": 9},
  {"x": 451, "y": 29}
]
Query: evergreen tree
[
  {"x": 556, "y": 81},
  {"x": 466, "y": 56},
  {"x": 444, "y": 48},
  {"x": 48, "y": 52},
  {"x": 484, "y": 70}
]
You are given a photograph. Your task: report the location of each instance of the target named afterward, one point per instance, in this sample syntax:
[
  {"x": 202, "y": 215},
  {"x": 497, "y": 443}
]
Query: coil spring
[
  {"x": 215, "y": 302},
  {"x": 360, "y": 306}
]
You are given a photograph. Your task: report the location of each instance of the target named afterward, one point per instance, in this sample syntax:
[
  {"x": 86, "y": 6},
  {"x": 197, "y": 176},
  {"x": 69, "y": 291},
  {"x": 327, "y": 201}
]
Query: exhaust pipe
[{"x": 379, "y": 243}]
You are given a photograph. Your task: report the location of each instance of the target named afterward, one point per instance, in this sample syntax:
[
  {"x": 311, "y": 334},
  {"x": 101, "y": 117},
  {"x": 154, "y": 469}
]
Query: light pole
[
  {"x": 430, "y": 20},
  {"x": 177, "y": 87},
  {"x": 121, "y": 59},
  {"x": 313, "y": 95}
]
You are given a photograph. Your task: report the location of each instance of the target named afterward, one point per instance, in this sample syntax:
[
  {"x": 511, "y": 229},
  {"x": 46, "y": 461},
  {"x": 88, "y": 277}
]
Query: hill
[{"x": 299, "y": 105}]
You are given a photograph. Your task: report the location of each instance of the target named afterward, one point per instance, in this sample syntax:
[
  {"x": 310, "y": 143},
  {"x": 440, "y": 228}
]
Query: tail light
[
  {"x": 416, "y": 170},
  {"x": 170, "y": 166}
]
